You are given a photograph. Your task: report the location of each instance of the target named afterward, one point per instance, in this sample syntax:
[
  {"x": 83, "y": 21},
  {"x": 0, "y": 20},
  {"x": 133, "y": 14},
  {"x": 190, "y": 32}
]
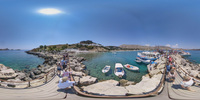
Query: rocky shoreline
[
  {"x": 15, "y": 76},
  {"x": 189, "y": 67},
  {"x": 88, "y": 83}
]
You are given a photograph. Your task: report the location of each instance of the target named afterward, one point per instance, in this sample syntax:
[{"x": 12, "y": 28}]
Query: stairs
[{"x": 175, "y": 91}]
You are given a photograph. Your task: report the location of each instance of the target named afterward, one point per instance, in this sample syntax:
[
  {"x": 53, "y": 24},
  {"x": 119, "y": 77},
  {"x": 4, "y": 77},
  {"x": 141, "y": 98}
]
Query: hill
[
  {"x": 139, "y": 47},
  {"x": 92, "y": 46}
]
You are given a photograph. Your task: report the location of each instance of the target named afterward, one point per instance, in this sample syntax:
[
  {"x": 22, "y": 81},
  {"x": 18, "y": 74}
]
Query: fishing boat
[
  {"x": 148, "y": 55},
  {"x": 106, "y": 69},
  {"x": 131, "y": 67},
  {"x": 119, "y": 71}
]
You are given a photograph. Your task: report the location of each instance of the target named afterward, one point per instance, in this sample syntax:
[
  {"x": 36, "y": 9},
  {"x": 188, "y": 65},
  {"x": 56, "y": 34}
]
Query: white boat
[
  {"x": 106, "y": 69},
  {"x": 138, "y": 61},
  {"x": 119, "y": 71},
  {"x": 144, "y": 61},
  {"x": 131, "y": 67},
  {"x": 148, "y": 55},
  {"x": 183, "y": 53}
]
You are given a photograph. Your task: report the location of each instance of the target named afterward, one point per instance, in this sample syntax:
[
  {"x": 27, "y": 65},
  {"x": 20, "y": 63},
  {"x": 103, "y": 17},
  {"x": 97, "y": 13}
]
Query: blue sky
[{"x": 109, "y": 22}]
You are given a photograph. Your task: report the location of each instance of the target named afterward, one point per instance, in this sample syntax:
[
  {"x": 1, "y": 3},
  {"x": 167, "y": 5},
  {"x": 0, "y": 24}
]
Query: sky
[{"x": 174, "y": 23}]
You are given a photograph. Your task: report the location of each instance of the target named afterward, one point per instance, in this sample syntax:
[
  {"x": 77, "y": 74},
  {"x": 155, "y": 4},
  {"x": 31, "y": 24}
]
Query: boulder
[
  {"x": 40, "y": 66},
  {"x": 194, "y": 73},
  {"x": 123, "y": 82},
  {"x": 78, "y": 69},
  {"x": 80, "y": 59},
  {"x": 3, "y": 67},
  {"x": 76, "y": 79},
  {"x": 32, "y": 75},
  {"x": 108, "y": 87},
  {"x": 198, "y": 76},
  {"x": 11, "y": 85},
  {"x": 14, "y": 80},
  {"x": 80, "y": 74},
  {"x": 154, "y": 72},
  {"x": 37, "y": 72},
  {"x": 21, "y": 76},
  {"x": 7, "y": 73},
  {"x": 87, "y": 80}
]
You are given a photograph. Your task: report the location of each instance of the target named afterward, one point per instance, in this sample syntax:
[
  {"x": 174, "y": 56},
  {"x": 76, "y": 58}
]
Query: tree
[
  {"x": 86, "y": 42},
  {"x": 54, "y": 47},
  {"x": 45, "y": 47},
  {"x": 50, "y": 48},
  {"x": 64, "y": 47},
  {"x": 41, "y": 46}
]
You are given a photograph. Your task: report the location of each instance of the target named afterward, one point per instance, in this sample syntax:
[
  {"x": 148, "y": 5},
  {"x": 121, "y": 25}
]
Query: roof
[{"x": 119, "y": 65}]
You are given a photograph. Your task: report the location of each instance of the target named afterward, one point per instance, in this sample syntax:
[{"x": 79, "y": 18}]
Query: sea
[
  {"x": 195, "y": 57},
  {"x": 19, "y": 60},
  {"x": 95, "y": 62}
]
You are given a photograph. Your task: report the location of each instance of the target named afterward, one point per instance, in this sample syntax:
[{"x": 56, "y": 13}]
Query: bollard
[
  {"x": 29, "y": 83},
  {"x": 46, "y": 79}
]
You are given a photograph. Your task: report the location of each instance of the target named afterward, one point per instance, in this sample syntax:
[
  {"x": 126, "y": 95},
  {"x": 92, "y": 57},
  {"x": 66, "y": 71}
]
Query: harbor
[{"x": 99, "y": 50}]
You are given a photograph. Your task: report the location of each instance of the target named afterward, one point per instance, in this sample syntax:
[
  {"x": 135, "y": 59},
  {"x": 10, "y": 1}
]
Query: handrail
[
  {"x": 53, "y": 69},
  {"x": 152, "y": 93}
]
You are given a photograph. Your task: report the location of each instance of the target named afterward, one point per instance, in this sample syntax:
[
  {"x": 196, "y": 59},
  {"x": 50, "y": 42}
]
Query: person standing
[
  {"x": 62, "y": 62},
  {"x": 59, "y": 68}
]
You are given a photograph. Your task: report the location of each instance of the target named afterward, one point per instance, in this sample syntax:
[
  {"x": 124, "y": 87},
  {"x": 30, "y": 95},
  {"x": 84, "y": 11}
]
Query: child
[
  {"x": 59, "y": 68},
  {"x": 66, "y": 73},
  {"x": 171, "y": 75}
]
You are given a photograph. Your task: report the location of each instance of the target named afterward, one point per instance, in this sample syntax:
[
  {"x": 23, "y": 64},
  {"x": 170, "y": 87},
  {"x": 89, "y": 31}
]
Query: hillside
[
  {"x": 92, "y": 46},
  {"x": 139, "y": 47},
  {"x": 83, "y": 45}
]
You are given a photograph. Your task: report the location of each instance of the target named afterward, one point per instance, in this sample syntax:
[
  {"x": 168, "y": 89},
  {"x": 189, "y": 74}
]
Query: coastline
[{"x": 92, "y": 85}]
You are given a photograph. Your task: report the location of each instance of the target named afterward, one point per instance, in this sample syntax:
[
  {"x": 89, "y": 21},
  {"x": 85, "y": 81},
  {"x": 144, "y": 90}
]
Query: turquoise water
[
  {"x": 96, "y": 62},
  {"x": 19, "y": 60},
  {"x": 195, "y": 56}
]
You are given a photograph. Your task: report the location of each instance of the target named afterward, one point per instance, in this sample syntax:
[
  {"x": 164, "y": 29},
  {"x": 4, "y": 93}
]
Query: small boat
[
  {"x": 119, "y": 71},
  {"x": 131, "y": 67},
  {"x": 144, "y": 60},
  {"x": 106, "y": 69},
  {"x": 138, "y": 61},
  {"x": 183, "y": 53},
  {"x": 148, "y": 55}
]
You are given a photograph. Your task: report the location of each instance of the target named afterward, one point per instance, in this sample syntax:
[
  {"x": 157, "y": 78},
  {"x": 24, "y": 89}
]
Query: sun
[{"x": 49, "y": 11}]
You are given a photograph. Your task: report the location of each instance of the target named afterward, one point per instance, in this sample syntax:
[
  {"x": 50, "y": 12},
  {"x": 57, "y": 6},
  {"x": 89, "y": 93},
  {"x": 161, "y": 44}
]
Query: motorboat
[
  {"x": 144, "y": 60},
  {"x": 183, "y": 53},
  {"x": 119, "y": 71},
  {"x": 131, "y": 67},
  {"x": 138, "y": 61},
  {"x": 148, "y": 55},
  {"x": 106, "y": 69}
]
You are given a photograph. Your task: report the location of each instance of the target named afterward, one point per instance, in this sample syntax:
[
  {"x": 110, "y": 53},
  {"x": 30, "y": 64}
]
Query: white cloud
[
  {"x": 175, "y": 46},
  {"x": 147, "y": 44},
  {"x": 168, "y": 45}
]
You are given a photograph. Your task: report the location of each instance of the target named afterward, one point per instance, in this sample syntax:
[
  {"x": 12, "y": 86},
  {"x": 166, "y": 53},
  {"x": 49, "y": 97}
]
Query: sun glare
[{"x": 49, "y": 11}]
